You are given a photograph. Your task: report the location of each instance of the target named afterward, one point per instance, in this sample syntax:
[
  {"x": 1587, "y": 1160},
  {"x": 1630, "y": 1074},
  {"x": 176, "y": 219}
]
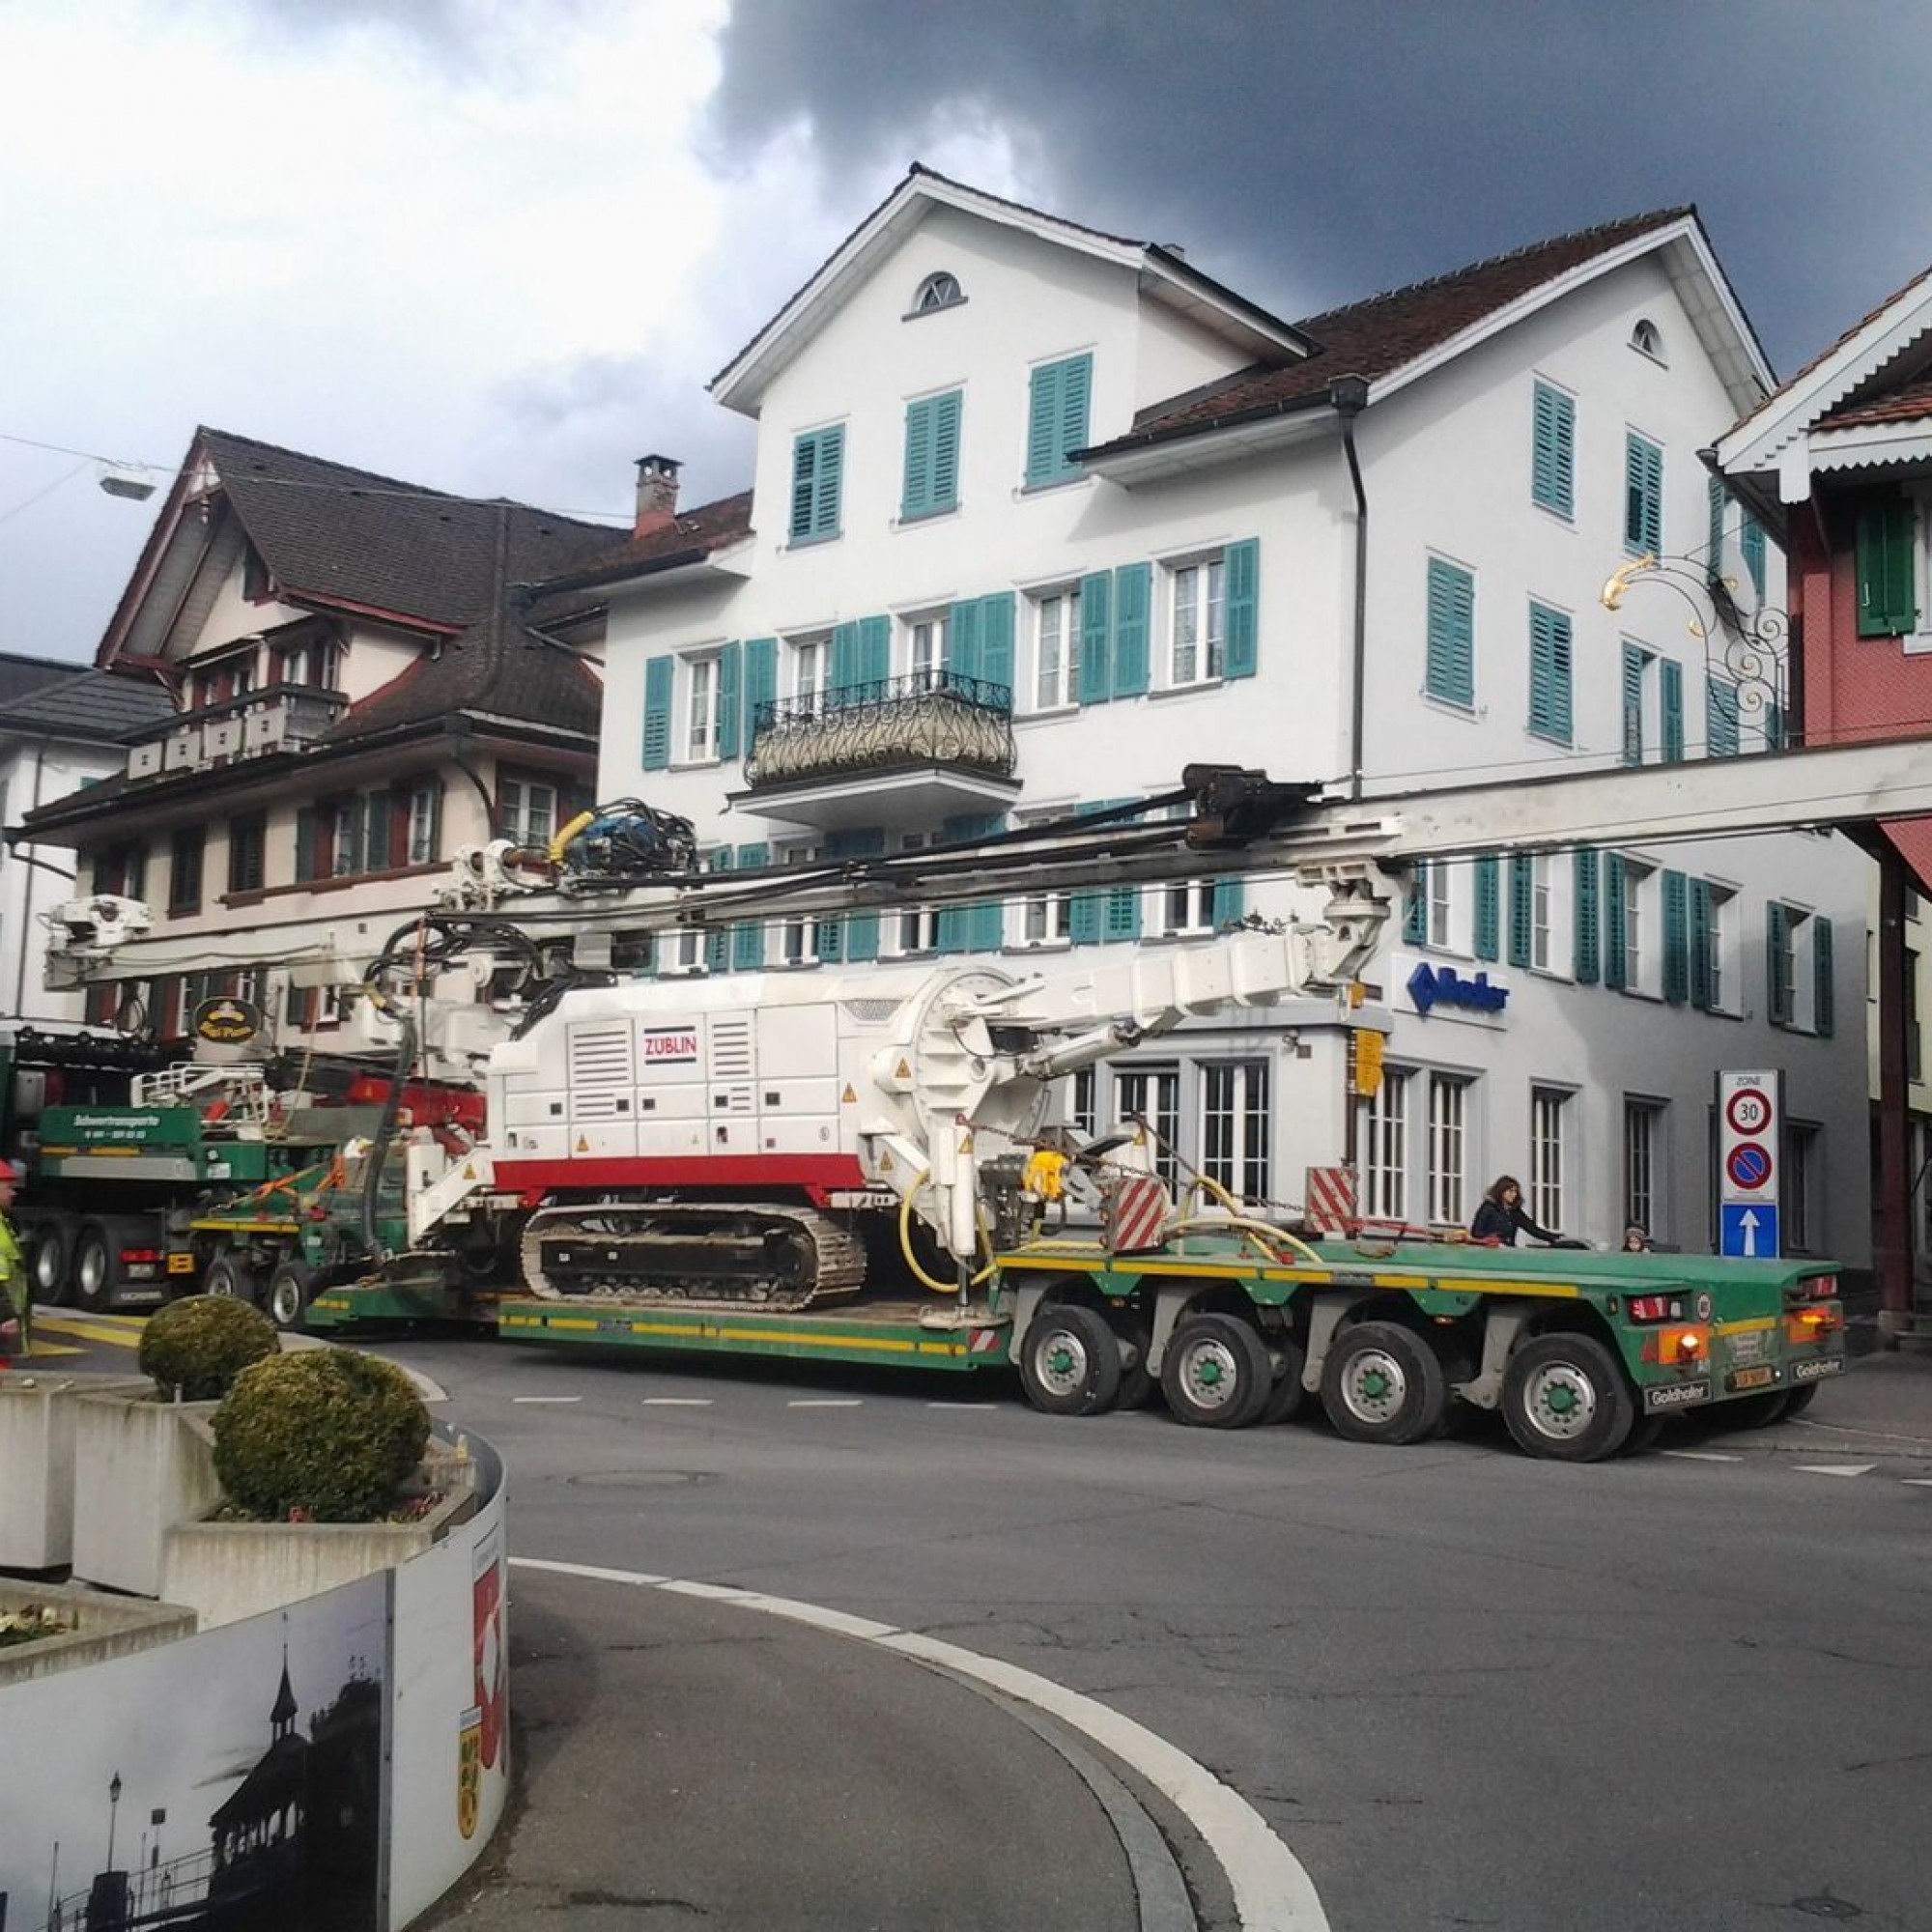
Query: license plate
[
  {"x": 1812, "y": 1371},
  {"x": 1750, "y": 1379},
  {"x": 1675, "y": 1395}
]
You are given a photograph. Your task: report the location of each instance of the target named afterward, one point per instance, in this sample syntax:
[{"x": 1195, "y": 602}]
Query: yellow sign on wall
[{"x": 1368, "y": 1061}]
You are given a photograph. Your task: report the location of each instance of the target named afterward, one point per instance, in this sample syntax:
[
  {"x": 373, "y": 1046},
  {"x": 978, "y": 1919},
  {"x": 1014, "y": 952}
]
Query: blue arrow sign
[{"x": 1747, "y": 1232}]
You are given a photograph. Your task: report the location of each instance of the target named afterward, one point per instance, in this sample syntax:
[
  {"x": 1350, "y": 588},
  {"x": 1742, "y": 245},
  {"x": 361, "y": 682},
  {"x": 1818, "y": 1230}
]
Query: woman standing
[{"x": 1500, "y": 1216}]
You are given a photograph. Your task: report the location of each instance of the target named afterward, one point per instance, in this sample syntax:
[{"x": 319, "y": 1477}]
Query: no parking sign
[{"x": 1750, "y": 1117}]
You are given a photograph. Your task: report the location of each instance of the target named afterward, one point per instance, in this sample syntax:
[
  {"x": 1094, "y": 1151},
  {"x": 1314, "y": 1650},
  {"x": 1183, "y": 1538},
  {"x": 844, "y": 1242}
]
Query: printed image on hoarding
[{"x": 231, "y": 1780}]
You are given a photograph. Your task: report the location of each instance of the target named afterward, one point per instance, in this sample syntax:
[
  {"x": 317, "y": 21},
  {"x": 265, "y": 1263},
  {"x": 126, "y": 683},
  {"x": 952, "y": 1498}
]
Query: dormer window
[
  {"x": 937, "y": 291},
  {"x": 1647, "y": 339}
]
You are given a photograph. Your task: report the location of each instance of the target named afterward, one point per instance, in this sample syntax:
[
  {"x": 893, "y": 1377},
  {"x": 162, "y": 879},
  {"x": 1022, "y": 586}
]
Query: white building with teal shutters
[{"x": 1042, "y": 515}]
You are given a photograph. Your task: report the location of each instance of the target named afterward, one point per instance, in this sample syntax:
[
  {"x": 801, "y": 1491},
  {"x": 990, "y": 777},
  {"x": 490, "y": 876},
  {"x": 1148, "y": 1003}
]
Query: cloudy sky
[{"x": 498, "y": 246}]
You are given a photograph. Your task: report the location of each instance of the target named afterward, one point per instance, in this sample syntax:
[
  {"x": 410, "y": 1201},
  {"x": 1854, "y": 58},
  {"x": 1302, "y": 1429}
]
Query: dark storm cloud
[{"x": 1316, "y": 151}]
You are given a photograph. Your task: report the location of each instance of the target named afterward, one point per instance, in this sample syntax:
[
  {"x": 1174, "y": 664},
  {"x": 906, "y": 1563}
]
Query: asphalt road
[{"x": 1690, "y": 1691}]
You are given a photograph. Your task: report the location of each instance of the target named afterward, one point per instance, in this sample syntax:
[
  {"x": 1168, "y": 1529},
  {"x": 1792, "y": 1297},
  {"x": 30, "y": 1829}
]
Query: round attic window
[
  {"x": 1648, "y": 339},
  {"x": 937, "y": 291}
]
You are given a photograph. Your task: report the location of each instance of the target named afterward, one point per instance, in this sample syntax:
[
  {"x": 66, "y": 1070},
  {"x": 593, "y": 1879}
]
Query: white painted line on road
[
  {"x": 967, "y": 1407},
  {"x": 825, "y": 1402},
  {"x": 1271, "y": 1888},
  {"x": 1699, "y": 1456},
  {"x": 677, "y": 1402},
  {"x": 1917, "y": 1482},
  {"x": 1834, "y": 1468},
  {"x": 546, "y": 1398}
]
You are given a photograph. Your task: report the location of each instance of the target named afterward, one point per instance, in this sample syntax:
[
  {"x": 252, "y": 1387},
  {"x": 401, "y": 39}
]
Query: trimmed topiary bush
[
  {"x": 325, "y": 1435},
  {"x": 200, "y": 1344}
]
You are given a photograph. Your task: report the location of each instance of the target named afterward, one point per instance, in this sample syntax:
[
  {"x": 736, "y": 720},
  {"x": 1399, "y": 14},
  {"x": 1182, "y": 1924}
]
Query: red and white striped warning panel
[
  {"x": 1330, "y": 1206},
  {"x": 1137, "y": 1207}
]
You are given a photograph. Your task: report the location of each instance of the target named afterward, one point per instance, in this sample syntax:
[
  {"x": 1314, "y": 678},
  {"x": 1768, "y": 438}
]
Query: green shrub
[
  {"x": 200, "y": 1344},
  {"x": 322, "y": 1433}
]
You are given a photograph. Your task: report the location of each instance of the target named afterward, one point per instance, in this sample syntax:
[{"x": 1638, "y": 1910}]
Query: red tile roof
[
  {"x": 689, "y": 538},
  {"x": 1907, "y": 402}
]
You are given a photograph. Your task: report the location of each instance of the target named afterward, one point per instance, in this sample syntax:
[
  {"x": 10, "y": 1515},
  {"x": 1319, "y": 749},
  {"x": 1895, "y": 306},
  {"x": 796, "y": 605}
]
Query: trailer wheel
[
  {"x": 1797, "y": 1400},
  {"x": 48, "y": 1263},
  {"x": 1754, "y": 1411},
  {"x": 1642, "y": 1438},
  {"x": 1215, "y": 1373},
  {"x": 92, "y": 1267},
  {"x": 1565, "y": 1397},
  {"x": 1383, "y": 1383},
  {"x": 291, "y": 1288},
  {"x": 1070, "y": 1362},
  {"x": 1137, "y": 1380},
  {"x": 1284, "y": 1398},
  {"x": 225, "y": 1275}
]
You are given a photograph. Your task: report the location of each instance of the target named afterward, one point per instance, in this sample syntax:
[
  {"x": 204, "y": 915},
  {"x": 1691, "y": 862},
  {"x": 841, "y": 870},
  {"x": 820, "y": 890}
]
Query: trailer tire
[
  {"x": 1383, "y": 1383},
  {"x": 1754, "y": 1411},
  {"x": 92, "y": 1273},
  {"x": 1069, "y": 1361},
  {"x": 1216, "y": 1372},
  {"x": 291, "y": 1288},
  {"x": 1797, "y": 1400},
  {"x": 50, "y": 1263},
  {"x": 1138, "y": 1384},
  {"x": 226, "y": 1276},
  {"x": 1284, "y": 1398},
  {"x": 1565, "y": 1398},
  {"x": 1642, "y": 1438}
]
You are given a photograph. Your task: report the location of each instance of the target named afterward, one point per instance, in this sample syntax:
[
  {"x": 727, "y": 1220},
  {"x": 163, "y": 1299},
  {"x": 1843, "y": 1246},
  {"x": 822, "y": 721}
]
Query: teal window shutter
[
  {"x": 1714, "y": 536},
  {"x": 971, "y": 929},
  {"x": 1676, "y": 938},
  {"x": 1752, "y": 542},
  {"x": 1774, "y": 727},
  {"x": 1523, "y": 908},
  {"x": 1241, "y": 581},
  {"x": 1057, "y": 413},
  {"x": 1703, "y": 945},
  {"x": 305, "y": 840},
  {"x": 1230, "y": 906},
  {"x": 730, "y": 698},
  {"x": 1720, "y": 713},
  {"x": 1633, "y": 705},
  {"x": 748, "y": 941},
  {"x": 1451, "y": 673},
  {"x": 1670, "y": 684},
  {"x": 1120, "y": 913},
  {"x": 827, "y": 937},
  {"x": 1133, "y": 592},
  {"x": 660, "y": 676},
  {"x": 817, "y": 470},
  {"x": 761, "y": 684},
  {"x": 1616, "y": 935},
  {"x": 862, "y": 928},
  {"x": 1553, "y": 463},
  {"x": 1823, "y": 994},
  {"x": 931, "y": 456},
  {"x": 1588, "y": 932},
  {"x": 872, "y": 659},
  {"x": 1415, "y": 907},
  {"x": 843, "y": 674},
  {"x": 1887, "y": 607},
  {"x": 1489, "y": 906},
  {"x": 1643, "y": 495},
  {"x": 996, "y": 641},
  {"x": 963, "y": 642},
  {"x": 1096, "y": 631},
  {"x": 1549, "y": 673},
  {"x": 718, "y": 940},
  {"x": 1778, "y": 964}
]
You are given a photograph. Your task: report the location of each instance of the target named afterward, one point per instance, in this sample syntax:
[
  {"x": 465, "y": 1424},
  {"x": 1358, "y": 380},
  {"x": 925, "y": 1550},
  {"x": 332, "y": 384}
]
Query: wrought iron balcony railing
[{"x": 930, "y": 718}]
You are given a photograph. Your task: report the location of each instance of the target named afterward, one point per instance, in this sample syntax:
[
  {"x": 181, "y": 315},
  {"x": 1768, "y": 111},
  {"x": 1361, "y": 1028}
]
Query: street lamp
[
  {"x": 113, "y": 1805},
  {"x": 134, "y": 480}
]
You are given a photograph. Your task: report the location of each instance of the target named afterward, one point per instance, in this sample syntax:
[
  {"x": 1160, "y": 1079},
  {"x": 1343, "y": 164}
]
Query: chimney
[{"x": 656, "y": 495}]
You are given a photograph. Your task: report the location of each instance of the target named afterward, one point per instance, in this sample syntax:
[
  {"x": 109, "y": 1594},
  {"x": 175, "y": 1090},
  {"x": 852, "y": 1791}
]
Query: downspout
[
  {"x": 1349, "y": 397},
  {"x": 27, "y": 914}
]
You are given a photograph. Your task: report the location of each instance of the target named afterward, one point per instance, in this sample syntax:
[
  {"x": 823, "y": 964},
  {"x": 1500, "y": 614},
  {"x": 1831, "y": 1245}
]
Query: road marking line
[
  {"x": 677, "y": 1402},
  {"x": 825, "y": 1402},
  {"x": 970, "y": 1408},
  {"x": 1699, "y": 1456},
  {"x": 1834, "y": 1468},
  {"x": 92, "y": 1329},
  {"x": 1917, "y": 1482},
  {"x": 546, "y": 1398},
  {"x": 1271, "y": 1888}
]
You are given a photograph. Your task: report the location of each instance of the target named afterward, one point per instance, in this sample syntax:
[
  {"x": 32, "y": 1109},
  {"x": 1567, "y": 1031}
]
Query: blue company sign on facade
[
  {"x": 1443, "y": 986},
  {"x": 1747, "y": 1232}
]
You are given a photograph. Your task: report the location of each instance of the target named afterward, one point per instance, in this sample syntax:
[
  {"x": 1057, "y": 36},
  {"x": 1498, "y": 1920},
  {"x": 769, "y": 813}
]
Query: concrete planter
[
  {"x": 101, "y": 1627},
  {"x": 37, "y": 1433},
  {"x": 140, "y": 1464},
  {"x": 227, "y": 1571}
]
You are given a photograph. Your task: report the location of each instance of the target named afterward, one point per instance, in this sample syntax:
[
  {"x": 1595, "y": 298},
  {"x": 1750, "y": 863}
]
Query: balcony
[
  {"x": 912, "y": 749},
  {"x": 280, "y": 718}
]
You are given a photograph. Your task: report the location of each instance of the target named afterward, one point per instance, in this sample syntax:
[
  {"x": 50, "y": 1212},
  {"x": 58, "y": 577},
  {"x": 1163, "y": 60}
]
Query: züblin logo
[{"x": 1443, "y": 985}]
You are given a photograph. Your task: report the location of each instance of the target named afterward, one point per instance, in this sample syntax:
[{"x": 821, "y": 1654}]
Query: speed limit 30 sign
[{"x": 1750, "y": 1112}]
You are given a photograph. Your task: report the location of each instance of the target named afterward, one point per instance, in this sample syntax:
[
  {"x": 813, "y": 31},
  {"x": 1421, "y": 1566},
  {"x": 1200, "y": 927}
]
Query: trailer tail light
[
  {"x": 134, "y": 1257},
  {"x": 1655, "y": 1308},
  {"x": 1812, "y": 1288},
  {"x": 1812, "y": 1324},
  {"x": 1676, "y": 1348}
]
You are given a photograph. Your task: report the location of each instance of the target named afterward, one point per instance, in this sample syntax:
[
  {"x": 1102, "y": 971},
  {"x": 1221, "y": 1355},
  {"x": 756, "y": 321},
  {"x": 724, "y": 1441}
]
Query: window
[
  {"x": 811, "y": 661},
  {"x": 1798, "y": 1194},
  {"x": 917, "y": 928},
  {"x": 931, "y": 483},
  {"x": 1750, "y": 539},
  {"x": 308, "y": 1008},
  {"x": 1056, "y": 404},
  {"x": 928, "y": 642},
  {"x": 1644, "y": 1166},
  {"x": 1451, "y": 674},
  {"x": 1198, "y": 623},
  {"x": 1448, "y": 1148},
  {"x": 185, "y": 854},
  {"x": 1909, "y": 1002},
  {"x": 1631, "y": 892},
  {"x": 1234, "y": 1128},
  {"x": 1184, "y": 909},
  {"x": 1046, "y": 919},
  {"x": 527, "y": 811},
  {"x": 1647, "y": 339},
  {"x": 1720, "y": 717},
  {"x": 1552, "y": 461},
  {"x": 423, "y": 823},
  {"x": 234, "y": 677},
  {"x": 341, "y": 837},
  {"x": 1440, "y": 904},
  {"x": 1056, "y": 649},
  {"x": 122, "y": 869},
  {"x": 1550, "y": 665},
  {"x": 817, "y": 469},
  {"x": 1798, "y": 970},
  {"x": 344, "y": 836},
  {"x": 938, "y": 291},
  {"x": 1549, "y": 1129},
  {"x": 798, "y": 937},
  {"x": 311, "y": 663},
  {"x": 1541, "y": 902},
  {"x": 1653, "y": 706},
  {"x": 1884, "y": 547},
  {"x": 1384, "y": 1143},
  {"x": 247, "y": 839},
  {"x": 1643, "y": 495},
  {"x": 1153, "y": 1094},
  {"x": 1714, "y": 946},
  {"x": 1082, "y": 1105}
]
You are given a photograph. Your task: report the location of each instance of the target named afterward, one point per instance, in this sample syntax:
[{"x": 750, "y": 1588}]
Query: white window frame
[
  {"x": 1549, "y": 1153},
  {"x": 529, "y": 810},
  {"x": 1801, "y": 1192},
  {"x": 928, "y": 648},
  {"x": 1197, "y": 590},
  {"x": 422, "y": 826},
  {"x": 1132, "y": 1086},
  {"x": 1542, "y": 905},
  {"x": 1245, "y": 1107},
  {"x": 700, "y": 711},
  {"x": 1448, "y": 1148},
  {"x": 808, "y": 666},
  {"x": 914, "y": 932},
  {"x": 1643, "y": 927},
  {"x": 795, "y": 938},
  {"x": 1726, "y": 939},
  {"x": 1056, "y": 688},
  {"x": 1646, "y": 1164},
  {"x": 1440, "y": 906},
  {"x": 1384, "y": 1142}
]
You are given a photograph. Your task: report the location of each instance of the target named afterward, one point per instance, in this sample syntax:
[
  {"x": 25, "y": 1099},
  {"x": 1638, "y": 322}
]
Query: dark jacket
[{"x": 1494, "y": 1222}]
